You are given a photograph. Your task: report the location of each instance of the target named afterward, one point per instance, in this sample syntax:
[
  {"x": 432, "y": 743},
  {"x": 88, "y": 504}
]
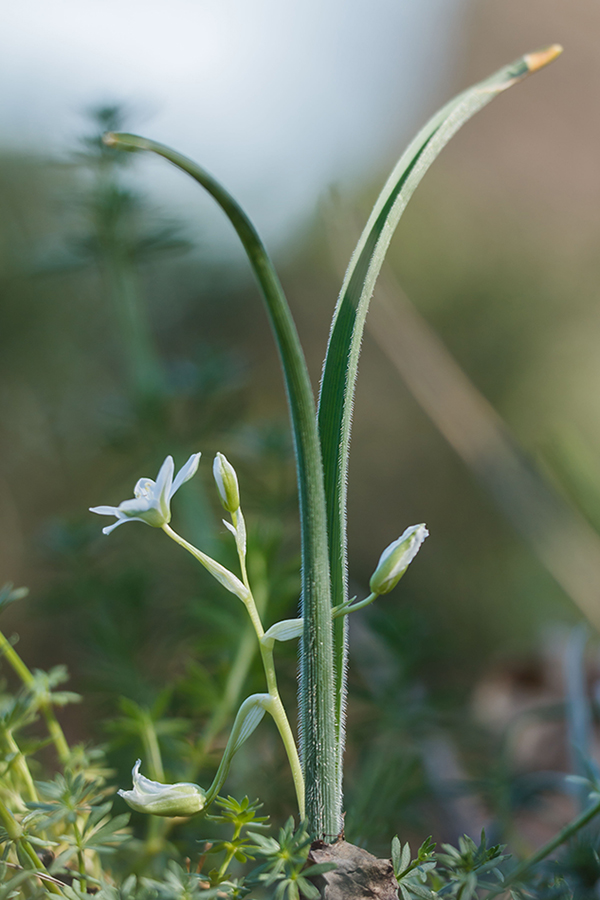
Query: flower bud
[
  {"x": 181, "y": 799},
  {"x": 396, "y": 558},
  {"x": 227, "y": 483}
]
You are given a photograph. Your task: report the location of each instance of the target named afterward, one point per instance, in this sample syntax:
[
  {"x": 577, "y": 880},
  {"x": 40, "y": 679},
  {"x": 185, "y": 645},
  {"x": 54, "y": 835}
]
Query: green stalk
[
  {"x": 152, "y": 748},
  {"x": 80, "y": 858},
  {"x": 241, "y": 663},
  {"x": 523, "y": 869},
  {"x": 230, "y": 852},
  {"x": 316, "y": 693},
  {"x": 15, "y": 834},
  {"x": 157, "y": 827},
  {"x": 344, "y": 608},
  {"x": 20, "y": 765},
  {"x": 275, "y": 706},
  {"x": 46, "y": 708}
]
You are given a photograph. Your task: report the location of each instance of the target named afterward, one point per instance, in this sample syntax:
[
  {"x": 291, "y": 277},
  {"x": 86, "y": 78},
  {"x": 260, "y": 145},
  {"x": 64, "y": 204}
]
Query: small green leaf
[{"x": 396, "y": 850}]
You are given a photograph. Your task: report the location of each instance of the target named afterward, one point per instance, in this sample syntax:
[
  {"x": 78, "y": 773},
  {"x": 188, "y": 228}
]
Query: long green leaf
[
  {"x": 317, "y": 709},
  {"x": 341, "y": 362}
]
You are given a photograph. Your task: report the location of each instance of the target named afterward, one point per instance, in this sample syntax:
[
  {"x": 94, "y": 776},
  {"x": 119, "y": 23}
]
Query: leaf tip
[
  {"x": 541, "y": 58},
  {"x": 124, "y": 141}
]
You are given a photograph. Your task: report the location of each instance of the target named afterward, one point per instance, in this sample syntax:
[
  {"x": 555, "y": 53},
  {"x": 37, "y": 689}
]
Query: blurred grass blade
[
  {"x": 341, "y": 362},
  {"x": 578, "y": 710}
]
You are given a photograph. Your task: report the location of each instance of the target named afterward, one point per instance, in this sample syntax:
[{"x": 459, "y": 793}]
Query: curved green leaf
[
  {"x": 341, "y": 361},
  {"x": 316, "y": 694}
]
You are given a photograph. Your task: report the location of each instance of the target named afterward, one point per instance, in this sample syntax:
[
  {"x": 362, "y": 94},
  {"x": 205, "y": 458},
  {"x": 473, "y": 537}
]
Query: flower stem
[
  {"x": 275, "y": 708},
  {"x": 80, "y": 858},
  {"x": 563, "y": 835},
  {"x": 344, "y": 608},
  {"x": 20, "y": 764},
  {"x": 15, "y": 834},
  {"x": 45, "y": 706}
]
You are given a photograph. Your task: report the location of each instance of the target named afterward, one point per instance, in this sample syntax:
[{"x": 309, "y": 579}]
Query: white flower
[
  {"x": 181, "y": 799},
  {"x": 396, "y": 558},
  {"x": 152, "y": 502}
]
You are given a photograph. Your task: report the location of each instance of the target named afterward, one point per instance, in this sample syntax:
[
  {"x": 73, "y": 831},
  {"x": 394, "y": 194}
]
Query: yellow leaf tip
[
  {"x": 109, "y": 139},
  {"x": 541, "y": 58}
]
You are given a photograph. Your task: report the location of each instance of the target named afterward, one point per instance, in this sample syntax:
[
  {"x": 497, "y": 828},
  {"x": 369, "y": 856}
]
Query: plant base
[{"x": 359, "y": 875}]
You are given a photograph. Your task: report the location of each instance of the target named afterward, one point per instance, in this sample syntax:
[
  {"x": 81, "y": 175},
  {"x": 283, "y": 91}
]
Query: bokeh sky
[{"x": 278, "y": 99}]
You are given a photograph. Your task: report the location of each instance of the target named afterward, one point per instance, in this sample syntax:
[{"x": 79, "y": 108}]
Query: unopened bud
[
  {"x": 396, "y": 558},
  {"x": 181, "y": 799},
  {"x": 227, "y": 483}
]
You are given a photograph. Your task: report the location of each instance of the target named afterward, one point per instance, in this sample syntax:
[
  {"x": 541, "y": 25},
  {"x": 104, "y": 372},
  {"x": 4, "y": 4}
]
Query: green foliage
[
  {"x": 239, "y": 846},
  {"x": 285, "y": 863},
  {"x": 457, "y": 872}
]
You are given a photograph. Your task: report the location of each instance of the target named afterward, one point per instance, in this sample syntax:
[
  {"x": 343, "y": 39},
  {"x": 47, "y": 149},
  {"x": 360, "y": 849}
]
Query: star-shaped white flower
[{"x": 152, "y": 503}]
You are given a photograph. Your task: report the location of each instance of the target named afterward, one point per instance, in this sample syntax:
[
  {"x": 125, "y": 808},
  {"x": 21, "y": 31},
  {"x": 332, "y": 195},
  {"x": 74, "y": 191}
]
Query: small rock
[{"x": 359, "y": 875}]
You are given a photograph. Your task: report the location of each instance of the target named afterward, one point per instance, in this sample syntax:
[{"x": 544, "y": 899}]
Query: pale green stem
[
  {"x": 276, "y": 707},
  {"x": 231, "y": 695},
  {"x": 151, "y": 748},
  {"x": 280, "y": 718},
  {"x": 230, "y": 852},
  {"x": 15, "y": 834},
  {"x": 157, "y": 828},
  {"x": 344, "y": 608},
  {"x": 80, "y": 858},
  {"x": 277, "y": 710},
  {"x": 242, "y": 661},
  {"x": 11, "y": 826},
  {"x": 20, "y": 765},
  {"x": 54, "y": 729}
]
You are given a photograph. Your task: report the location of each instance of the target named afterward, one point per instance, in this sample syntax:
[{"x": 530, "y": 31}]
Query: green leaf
[
  {"x": 317, "y": 709},
  {"x": 286, "y": 630},
  {"x": 396, "y": 850},
  {"x": 309, "y": 890},
  {"x": 319, "y": 869},
  {"x": 341, "y": 362},
  {"x": 405, "y": 858}
]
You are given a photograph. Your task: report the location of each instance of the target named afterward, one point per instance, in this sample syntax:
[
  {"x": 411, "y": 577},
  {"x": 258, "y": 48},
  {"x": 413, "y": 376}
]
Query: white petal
[
  {"x": 114, "y": 525},
  {"x": 104, "y": 510},
  {"x": 131, "y": 507},
  {"x": 218, "y": 476},
  {"x": 147, "y": 786},
  {"x": 121, "y": 521},
  {"x": 164, "y": 480},
  {"x": 185, "y": 473},
  {"x": 241, "y": 533},
  {"x": 145, "y": 487}
]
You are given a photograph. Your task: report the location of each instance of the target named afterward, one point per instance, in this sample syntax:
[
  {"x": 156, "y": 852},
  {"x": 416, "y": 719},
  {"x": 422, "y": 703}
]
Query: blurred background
[{"x": 131, "y": 328}]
